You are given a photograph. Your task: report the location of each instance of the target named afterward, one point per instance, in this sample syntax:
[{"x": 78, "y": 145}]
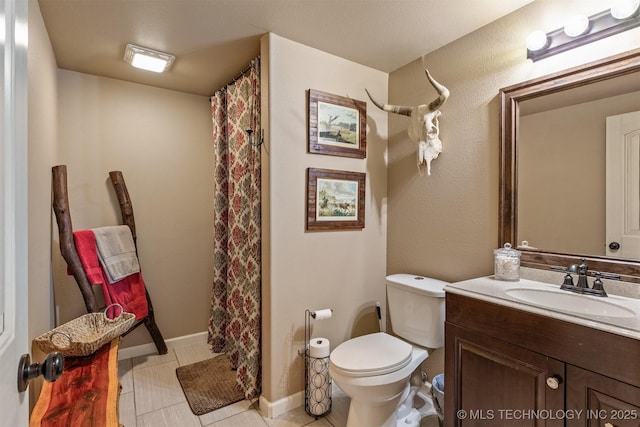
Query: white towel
[{"x": 116, "y": 252}]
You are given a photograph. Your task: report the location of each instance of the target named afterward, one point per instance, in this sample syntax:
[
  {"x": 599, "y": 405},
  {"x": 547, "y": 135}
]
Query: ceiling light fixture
[
  {"x": 148, "y": 59},
  {"x": 624, "y": 15}
]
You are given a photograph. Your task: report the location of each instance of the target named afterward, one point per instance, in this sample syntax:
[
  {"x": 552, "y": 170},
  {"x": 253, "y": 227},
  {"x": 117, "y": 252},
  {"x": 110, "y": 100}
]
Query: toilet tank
[{"x": 416, "y": 306}]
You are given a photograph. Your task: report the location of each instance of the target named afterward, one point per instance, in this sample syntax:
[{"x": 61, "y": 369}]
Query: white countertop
[{"x": 495, "y": 291}]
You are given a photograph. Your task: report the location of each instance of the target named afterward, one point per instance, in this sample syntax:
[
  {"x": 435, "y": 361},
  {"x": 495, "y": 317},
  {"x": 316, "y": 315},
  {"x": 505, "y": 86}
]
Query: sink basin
[
  {"x": 616, "y": 314},
  {"x": 571, "y": 303}
]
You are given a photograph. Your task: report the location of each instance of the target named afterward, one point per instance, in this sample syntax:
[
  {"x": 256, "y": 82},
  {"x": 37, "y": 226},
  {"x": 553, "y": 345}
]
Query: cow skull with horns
[{"x": 424, "y": 126}]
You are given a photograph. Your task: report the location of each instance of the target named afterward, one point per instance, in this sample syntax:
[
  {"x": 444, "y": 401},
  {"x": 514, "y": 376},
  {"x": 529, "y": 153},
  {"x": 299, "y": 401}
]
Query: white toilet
[{"x": 374, "y": 370}]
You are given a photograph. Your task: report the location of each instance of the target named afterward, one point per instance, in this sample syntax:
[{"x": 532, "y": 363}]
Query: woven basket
[{"x": 86, "y": 334}]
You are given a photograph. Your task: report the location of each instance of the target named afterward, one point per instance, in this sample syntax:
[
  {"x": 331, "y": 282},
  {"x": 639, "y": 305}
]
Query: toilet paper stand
[{"x": 317, "y": 381}]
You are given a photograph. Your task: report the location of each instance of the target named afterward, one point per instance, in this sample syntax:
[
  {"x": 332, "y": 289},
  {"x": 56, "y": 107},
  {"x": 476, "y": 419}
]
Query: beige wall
[
  {"x": 42, "y": 147},
  {"x": 161, "y": 141},
  {"x": 42, "y": 110},
  {"x": 446, "y": 225},
  {"x": 562, "y": 170},
  {"x": 342, "y": 270}
]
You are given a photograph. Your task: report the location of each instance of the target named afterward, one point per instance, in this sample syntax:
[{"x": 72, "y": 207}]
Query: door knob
[
  {"x": 614, "y": 246},
  {"x": 50, "y": 369},
  {"x": 554, "y": 382}
]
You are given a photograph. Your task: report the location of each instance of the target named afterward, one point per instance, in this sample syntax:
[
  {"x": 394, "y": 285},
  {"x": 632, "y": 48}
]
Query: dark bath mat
[{"x": 209, "y": 385}]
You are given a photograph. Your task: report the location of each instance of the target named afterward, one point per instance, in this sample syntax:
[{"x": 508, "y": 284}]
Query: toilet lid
[{"x": 373, "y": 354}]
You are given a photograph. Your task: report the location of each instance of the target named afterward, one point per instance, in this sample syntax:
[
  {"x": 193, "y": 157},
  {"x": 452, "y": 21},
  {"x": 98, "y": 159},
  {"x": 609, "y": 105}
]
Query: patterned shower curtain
[{"x": 234, "y": 325}]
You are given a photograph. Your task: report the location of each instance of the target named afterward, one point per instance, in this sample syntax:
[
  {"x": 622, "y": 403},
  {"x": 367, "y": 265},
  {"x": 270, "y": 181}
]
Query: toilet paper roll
[
  {"x": 320, "y": 399},
  {"x": 323, "y": 314},
  {"x": 319, "y": 347}
]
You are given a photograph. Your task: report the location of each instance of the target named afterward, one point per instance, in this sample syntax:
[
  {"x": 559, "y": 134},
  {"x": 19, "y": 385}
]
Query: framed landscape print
[
  {"x": 335, "y": 199},
  {"x": 337, "y": 125}
]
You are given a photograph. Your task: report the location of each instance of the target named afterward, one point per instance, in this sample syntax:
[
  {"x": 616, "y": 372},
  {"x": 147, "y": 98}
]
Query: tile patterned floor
[{"x": 152, "y": 397}]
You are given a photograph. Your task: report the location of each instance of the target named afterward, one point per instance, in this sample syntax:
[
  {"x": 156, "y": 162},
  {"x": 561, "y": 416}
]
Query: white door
[
  {"x": 623, "y": 185},
  {"x": 13, "y": 210}
]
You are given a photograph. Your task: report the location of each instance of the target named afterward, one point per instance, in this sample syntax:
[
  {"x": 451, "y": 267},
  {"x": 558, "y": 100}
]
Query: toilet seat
[{"x": 370, "y": 355}]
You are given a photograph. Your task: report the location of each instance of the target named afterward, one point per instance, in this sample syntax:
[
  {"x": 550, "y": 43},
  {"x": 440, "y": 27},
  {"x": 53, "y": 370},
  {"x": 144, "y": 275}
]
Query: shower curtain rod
[
  {"x": 235, "y": 79},
  {"x": 240, "y": 74}
]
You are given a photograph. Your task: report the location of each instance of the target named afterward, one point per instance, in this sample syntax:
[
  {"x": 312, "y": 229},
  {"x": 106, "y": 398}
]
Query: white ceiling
[{"x": 214, "y": 39}]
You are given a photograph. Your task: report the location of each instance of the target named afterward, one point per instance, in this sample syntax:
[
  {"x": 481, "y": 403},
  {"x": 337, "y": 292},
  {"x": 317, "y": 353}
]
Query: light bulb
[
  {"x": 576, "y": 26},
  {"x": 622, "y": 9},
  {"x": 536, "y": 40}
]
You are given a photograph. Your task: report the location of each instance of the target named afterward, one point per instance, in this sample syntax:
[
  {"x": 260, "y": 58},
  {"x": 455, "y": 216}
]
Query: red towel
[
  {"x": 129, "y": 292},
  {"x": 86, "y": 247}
]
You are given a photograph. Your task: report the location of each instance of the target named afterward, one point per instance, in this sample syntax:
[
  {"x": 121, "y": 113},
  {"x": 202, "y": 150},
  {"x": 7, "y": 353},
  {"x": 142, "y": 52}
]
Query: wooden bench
[{"x": 86, "y": 394}]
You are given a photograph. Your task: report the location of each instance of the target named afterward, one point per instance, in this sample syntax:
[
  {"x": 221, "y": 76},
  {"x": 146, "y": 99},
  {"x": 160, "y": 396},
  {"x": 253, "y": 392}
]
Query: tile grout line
[{"x": 133, "y": 387}]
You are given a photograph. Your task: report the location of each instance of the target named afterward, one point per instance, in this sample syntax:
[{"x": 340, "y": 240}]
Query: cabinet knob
[{"x": 554, "y": 382}]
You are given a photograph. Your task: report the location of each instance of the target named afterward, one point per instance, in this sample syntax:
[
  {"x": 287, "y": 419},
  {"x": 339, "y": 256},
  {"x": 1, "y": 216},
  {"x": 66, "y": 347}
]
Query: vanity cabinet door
[
  {"x": 492, "y": 383},
  {"x": 601, "y": 401}
]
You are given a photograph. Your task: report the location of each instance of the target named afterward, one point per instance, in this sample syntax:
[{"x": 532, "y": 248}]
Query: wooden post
[
  {"x": 65, "y": 229},
  {"x": 126, "y": 208}
]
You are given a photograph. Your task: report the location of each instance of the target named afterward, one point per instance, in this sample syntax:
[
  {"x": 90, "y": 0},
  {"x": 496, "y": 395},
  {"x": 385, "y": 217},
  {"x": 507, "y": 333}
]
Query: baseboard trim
[
  {"x": 150, "y": 348},
  {"x": 281, "y": 406}
]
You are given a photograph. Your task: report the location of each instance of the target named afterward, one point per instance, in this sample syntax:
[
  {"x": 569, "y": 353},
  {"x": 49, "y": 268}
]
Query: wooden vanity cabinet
[
  {"x": 509, "y": 367},
  {"x": 494, "y": 379},
  {"x": 600, "y": 400}
]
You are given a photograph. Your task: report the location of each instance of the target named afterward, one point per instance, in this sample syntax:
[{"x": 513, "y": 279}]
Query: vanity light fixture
[
  {"x": 580, "y": 30},
  {"x": 148, "y": 59}
]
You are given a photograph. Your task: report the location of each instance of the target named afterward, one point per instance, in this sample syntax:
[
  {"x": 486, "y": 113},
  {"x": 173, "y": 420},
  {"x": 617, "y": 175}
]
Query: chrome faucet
[
  {"x": 582, "y": 276},
  {"x": 582, "y": 287}
]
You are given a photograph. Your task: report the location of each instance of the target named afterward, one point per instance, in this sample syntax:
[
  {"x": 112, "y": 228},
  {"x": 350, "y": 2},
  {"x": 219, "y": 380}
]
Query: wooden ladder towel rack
[{"x": 70, "y": 253}]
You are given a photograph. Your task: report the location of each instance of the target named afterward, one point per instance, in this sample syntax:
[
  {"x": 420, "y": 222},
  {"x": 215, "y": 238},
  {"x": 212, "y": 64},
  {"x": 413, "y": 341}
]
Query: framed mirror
[{"x": 554, "y": 186}]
